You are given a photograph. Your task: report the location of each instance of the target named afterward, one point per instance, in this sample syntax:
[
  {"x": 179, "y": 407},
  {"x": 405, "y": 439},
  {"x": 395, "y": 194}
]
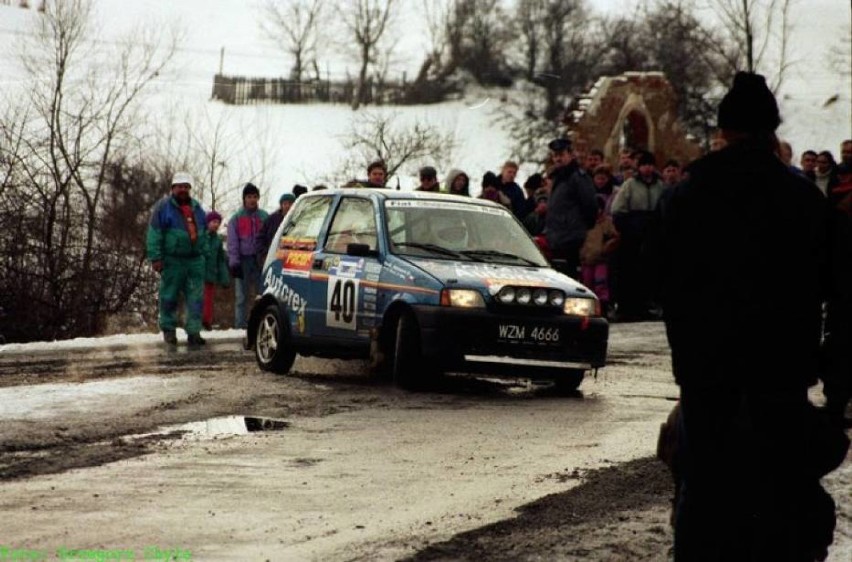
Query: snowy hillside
[{"x": 307, "y": 141}]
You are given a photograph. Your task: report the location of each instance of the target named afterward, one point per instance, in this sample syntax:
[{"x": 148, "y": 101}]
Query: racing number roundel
[{"x": 342, "y": 302}]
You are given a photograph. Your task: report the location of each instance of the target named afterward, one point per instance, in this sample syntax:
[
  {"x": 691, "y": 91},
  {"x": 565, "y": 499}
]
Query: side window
[
  {"x": 303, "y": 229},
  {"x": 354, "y": 223}
]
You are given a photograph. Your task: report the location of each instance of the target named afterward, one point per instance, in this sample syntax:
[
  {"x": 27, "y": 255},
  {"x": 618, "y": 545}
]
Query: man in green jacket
[{"x": 176, "y": 247}]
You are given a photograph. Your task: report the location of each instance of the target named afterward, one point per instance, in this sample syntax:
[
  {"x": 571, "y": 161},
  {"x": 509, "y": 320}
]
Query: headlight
[
  {"x": 580, "y": 307},
  {"x": 540, "y": 297},
  {"x": 462, "y": 298},
  {"x": 506, "y": 295},
  {"x": 524, "y": 295},
  {"x": 557, "y": 298}
]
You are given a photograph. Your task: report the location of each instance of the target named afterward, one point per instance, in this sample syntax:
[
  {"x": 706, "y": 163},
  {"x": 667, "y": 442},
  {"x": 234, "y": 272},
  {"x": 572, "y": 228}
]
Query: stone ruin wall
[{"x": 647, "y": 103}]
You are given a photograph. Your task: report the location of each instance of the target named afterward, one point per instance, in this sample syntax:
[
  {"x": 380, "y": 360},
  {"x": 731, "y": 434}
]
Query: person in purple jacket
[{"x": 243, "y": 228}]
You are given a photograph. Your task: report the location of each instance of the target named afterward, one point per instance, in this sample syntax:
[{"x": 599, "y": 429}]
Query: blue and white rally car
[{"x": 421, "y": 283}]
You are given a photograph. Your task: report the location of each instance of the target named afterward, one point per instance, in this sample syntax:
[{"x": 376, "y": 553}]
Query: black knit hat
[
  {"x": 646, "y": 157},
  {"x": 559, "y": 145},
  {"x": 428, "y": 173},
  {"x": 749, "y": 106},
  {"x": 250, "y": 189},
  {"x": 490, "y": 179},
  {"x": 533, "y": 182}
]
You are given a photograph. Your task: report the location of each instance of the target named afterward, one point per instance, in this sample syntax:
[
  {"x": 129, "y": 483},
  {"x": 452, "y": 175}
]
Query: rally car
[{"x": 421, "y": 283}]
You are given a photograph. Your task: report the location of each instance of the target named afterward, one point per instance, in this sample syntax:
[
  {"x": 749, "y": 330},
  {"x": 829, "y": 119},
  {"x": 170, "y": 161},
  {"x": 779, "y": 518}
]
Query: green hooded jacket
[{"x": 215, "y": 261}]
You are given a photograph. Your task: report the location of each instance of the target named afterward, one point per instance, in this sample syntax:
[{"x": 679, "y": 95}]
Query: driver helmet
[{"x": 449, "y": 231}]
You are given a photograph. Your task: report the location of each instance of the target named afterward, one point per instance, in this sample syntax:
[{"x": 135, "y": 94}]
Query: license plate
[{"x": 519, "y": 333}]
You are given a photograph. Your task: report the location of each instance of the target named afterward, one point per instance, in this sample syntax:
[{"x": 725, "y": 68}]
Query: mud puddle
[{"x": 213, "y": 428}]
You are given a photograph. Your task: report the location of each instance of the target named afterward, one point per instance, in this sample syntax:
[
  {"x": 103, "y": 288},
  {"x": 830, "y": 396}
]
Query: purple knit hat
[{"x": 213, "y": 216}]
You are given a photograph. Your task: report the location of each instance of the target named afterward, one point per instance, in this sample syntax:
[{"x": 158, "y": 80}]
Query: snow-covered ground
[{"x": 117, "y": 340}]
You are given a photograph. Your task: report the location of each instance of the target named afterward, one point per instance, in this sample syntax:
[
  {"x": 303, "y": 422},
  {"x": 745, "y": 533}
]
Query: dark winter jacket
[
  {"x": 168, "y": 235},
  {"x": 837, "y": 370},
  {"x": 516, "y": 195},
  {"x": 267, "y": 233},
  {"x": 744, "y": 256},
  {"x": 215, "y": 261},
  {"x": 535, "y": 223},
  {"x": 242, "y": 231},
  {"x": 571, "y": 209}
]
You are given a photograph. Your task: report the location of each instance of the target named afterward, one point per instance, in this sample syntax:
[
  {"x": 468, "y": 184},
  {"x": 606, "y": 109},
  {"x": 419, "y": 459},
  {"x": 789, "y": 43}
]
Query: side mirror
[{"x": 360, "y": 250}]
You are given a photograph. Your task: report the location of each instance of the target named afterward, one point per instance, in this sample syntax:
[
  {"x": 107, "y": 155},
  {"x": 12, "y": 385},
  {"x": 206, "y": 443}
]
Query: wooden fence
[{"x": 241, "y": 90}]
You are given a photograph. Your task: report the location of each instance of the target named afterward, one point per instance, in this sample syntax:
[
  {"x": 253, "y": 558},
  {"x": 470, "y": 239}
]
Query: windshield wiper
[
  {"x": 498, "y": 254},
  {"x": 430, "y": 247}
]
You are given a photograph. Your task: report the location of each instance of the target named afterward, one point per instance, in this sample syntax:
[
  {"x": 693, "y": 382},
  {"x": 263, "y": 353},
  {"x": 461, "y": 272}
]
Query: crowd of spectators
[{"x": 614, "y": 254}]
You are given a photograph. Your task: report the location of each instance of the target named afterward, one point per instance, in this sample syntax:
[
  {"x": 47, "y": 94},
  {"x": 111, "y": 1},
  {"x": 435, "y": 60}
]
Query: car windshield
[{"x": 458, "y": 231}]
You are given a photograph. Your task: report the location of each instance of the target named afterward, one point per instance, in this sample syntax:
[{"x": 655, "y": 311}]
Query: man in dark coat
[
  {"x": 264, "y": 238},
  {"x": 837, "y": 349},
  {"x": 744, "y": 242},
  {"x": 571, "y": 209}
]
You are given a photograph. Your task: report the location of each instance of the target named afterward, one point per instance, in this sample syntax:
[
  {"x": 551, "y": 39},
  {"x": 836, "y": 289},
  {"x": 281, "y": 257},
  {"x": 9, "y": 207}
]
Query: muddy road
[{"x": 137, "y": 450}]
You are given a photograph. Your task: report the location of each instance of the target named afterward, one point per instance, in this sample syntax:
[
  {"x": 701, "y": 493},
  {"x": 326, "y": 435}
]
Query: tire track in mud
[{"x": 618, "y": 513}]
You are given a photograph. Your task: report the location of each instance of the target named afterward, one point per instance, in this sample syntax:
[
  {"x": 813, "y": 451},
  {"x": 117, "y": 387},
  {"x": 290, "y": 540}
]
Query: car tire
[
  {"x": 407, "y": 369},
  {"x": 568, "y": 381},
  {"x": 272, "y": 347}
]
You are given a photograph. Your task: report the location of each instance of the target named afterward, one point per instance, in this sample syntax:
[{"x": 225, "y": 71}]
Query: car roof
[{"x": 387, "y": 194}]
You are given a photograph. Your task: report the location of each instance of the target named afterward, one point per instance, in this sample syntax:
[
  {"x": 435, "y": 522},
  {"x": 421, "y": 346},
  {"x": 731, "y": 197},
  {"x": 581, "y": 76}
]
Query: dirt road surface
[{"x": 200, "y": 454}]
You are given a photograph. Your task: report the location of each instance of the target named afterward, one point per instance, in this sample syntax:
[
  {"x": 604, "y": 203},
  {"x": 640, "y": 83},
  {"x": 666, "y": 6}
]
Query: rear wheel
[
  {"x": 272, "y": 347},
  {"x": 568, "y": 380},
  {"x": 408, "y": 369}
]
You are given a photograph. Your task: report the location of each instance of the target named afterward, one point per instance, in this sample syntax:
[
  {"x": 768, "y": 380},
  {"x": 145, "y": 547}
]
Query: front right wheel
[{"x": 272, "y": 347}]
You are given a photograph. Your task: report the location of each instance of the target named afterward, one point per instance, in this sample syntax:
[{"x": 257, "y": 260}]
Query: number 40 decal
[{"x": 342, "y": 303}]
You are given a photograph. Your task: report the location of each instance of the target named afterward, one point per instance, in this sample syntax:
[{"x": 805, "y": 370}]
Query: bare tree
[
  {"x": 81, "y": 106},
  {"x": 669, "y": 36},
  {"x": 380, "y": 136},
  {"x": 220, "y": 151},
  {"x": 523, "y": 118},
  {"x": 295, "y": 23},
  {"x": 757, "y": 36},
  {"x": 530, "y": 15},
  {"x": 478, "y": 33},
  {"x": 557, "y": 46},
  {"x": 367, "y": 21}
]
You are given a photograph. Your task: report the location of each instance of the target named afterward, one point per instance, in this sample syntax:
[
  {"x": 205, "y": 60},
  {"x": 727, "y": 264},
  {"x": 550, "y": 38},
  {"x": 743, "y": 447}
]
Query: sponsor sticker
[
  {"x": 288, "y": 296},
  {"x": 446, "y": 205},
  {"x": 349, "y": 268},
  {"x": 290, "y": 243},
  {"x": 297, "y": 259}
]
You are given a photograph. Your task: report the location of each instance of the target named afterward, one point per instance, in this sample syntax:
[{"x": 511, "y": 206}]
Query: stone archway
[
  {"x": 636, "y": 109},
  {"x": 635, "y": 131}
]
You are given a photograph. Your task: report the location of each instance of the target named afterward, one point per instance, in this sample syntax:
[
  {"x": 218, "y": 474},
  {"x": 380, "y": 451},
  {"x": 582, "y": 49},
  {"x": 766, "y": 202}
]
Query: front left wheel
[
  {"x": 408, "y": 368},
  {"x": 272, "y": 347}
]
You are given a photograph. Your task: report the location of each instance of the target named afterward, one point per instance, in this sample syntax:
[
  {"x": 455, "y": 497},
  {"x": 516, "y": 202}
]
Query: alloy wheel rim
[{"x": 267, "y": 338}]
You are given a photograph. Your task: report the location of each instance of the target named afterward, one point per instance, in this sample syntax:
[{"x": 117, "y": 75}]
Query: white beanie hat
[{"x": 182, "y": 177}]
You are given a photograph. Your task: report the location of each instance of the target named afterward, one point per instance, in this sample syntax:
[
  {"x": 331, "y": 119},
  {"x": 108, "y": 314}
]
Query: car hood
[{"x": 493, "y": 276}]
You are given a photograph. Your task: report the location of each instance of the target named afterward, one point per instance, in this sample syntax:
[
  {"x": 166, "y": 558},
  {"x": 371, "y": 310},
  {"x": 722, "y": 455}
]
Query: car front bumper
[{"x": 492, "y": 340}]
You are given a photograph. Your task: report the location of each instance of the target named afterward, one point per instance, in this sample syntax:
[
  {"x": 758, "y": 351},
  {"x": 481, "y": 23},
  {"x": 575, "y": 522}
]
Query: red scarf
[{"x": 189, "y": 218}]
